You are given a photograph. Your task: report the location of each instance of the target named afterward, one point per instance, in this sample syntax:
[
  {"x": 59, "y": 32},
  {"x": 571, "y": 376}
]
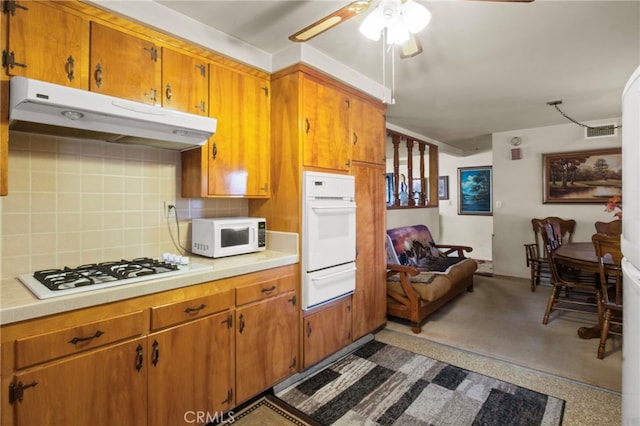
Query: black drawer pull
[
  {"x": 76, "y": 340},
  {"x": 192, "y": 310},
  {"x": 268, "y": 290}
]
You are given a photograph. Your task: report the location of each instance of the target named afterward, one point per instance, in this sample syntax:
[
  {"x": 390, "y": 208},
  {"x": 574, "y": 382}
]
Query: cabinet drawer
[
  {"x": 48, "y": 346},
  {"x": 264, "y": 289},
  {"x": 177, "y": 312}
]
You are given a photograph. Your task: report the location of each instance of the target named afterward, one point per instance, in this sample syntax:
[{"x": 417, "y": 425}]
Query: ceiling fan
[{"x": 385, "y": 9}]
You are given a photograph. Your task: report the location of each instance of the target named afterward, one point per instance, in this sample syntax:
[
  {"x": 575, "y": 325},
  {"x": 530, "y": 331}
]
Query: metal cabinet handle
[
  {"x": 70, "y": 68},
  {"x": 139, "y": 356},
  {"x": 308, "y": 328},
  {"x": 168, "y": 93},
  {"x": 241, "y": 326},
  {"x": 77, "y": 340},
  {"x": 193, "y": 310},
  {"x": 308, "y": 125},
  {"x": 214, "y": 151},
  {"x": 268, "y": 290},
  {"x": 97, "y": 75},
  {"x": 156, "y": 353}
]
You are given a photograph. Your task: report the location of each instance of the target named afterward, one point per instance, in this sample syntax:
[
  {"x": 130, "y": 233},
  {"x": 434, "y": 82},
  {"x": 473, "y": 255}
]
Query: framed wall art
[
  {"x": 443, "y": 187},
  {"x": 582, "y": 176},
  {"x": 475, "y": 187}
]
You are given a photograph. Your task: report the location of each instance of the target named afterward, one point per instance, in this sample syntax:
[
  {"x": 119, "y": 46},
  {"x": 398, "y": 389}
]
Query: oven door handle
[
  {"x": 349, "y": 208},
  {"x": 335, "y": 274}
]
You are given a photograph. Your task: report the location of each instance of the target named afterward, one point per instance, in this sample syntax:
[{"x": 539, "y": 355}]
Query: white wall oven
[{"x": 329, "y": 237}]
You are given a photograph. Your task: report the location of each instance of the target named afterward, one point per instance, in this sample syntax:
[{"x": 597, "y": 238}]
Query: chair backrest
[
  {"x": 563, "y": 228},
  {"x": 609, "y": 256},
  {"x": 550, "y": 233},
  {"x": 609, "y": 228}
]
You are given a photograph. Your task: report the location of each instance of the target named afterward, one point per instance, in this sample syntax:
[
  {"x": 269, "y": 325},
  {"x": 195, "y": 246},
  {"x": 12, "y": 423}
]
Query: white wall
[
  {"x": 517, "y": 184},
  {"x": 468, "y": 230}
]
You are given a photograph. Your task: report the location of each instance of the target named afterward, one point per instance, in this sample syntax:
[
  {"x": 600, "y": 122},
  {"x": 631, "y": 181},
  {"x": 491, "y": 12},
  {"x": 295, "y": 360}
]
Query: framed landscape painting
[
  {"x": 582, "y": 176},
  {"x": 443, "y": 188},
  {"x": 475, "y": 188}
]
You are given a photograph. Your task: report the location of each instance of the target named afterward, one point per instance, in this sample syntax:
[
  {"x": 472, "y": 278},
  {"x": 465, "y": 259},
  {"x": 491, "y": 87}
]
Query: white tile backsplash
[{"x": 78, "y": 201}]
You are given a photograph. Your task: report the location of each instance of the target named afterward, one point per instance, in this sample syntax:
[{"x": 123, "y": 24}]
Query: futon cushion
[
  {"x": 414, "y": 246},
  {"x": 430, "y": 286}
]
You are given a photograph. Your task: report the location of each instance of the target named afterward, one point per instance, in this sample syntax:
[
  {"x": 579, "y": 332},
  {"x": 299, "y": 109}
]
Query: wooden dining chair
[
  {"x": 568, "y": 291},
  {"x": 609, "y": 228},
  {"x": 609, "y": 258},
  {"x": 536, "y": 253}
]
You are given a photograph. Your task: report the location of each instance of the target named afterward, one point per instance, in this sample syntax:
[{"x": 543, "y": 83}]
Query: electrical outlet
[{"x": 170, "y": 209}]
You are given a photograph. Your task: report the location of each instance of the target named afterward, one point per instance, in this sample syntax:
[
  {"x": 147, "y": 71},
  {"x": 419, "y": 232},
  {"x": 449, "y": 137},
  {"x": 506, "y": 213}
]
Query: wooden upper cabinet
[
  {"x": 46, "y": 43},
  {"x": 368, "y": 127},
  {"x": 327, "y": 143},
  {"x": 235, "y": 161},
  {"x": 185, "y": 83},
  {"x": 124, "y": 66}
]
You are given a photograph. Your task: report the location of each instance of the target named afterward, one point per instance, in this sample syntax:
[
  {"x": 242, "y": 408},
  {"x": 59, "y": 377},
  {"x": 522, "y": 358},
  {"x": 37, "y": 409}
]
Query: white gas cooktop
[{"x": 65, "y": 281}]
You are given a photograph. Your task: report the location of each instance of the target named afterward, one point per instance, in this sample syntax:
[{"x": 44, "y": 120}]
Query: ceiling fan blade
[
  {"x": 411, "y": 47},
  {"x": 330, "y": 21}
]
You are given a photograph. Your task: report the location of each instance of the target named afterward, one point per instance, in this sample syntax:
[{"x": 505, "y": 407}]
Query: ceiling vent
[{"x": 592, "y": 132}]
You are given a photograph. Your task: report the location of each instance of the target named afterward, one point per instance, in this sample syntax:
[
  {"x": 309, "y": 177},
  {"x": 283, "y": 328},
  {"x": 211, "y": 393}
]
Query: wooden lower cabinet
[
  {"x": 162, "y": 359},
  {"x": 326, "y": 329},
  {"x": 101, "y": 388},
  {"x": 190, "y": 373},
  {"x": 266, "y": 344}
]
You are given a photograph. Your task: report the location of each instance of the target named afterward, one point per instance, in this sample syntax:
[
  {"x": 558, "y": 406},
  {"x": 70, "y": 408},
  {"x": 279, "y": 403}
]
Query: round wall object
[{"x": 515, "y": 141}]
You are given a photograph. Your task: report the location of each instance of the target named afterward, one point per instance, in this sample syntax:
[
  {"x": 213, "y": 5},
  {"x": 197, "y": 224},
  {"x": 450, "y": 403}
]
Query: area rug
[
  {"x": 387, "y": 385},
  {"x": 267, "y": 411}
]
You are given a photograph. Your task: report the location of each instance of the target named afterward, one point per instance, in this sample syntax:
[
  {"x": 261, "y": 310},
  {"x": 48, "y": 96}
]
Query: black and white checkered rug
[{"x": 386, "y": 385}]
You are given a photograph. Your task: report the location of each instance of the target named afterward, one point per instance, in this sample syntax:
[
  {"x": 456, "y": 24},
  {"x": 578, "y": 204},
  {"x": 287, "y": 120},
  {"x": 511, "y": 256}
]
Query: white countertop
[{"x": 18, "y": 303}]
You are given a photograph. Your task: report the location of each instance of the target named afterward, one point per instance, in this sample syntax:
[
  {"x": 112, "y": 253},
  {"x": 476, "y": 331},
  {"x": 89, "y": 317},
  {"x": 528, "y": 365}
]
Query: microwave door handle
[{"x": 335, "y": 274}]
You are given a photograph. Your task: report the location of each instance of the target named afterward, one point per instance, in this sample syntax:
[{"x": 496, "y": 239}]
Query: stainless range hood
[{"x": 40, "y": 107}]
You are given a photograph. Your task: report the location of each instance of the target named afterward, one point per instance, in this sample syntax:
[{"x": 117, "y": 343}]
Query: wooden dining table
[{"x": 580, "y": 255}]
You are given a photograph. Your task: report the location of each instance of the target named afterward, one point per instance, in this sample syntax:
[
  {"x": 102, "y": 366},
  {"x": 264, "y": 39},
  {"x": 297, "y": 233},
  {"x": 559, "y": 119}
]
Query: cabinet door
[
  {"x": 370, "y": 295},
  {"x": 124, "y": 66},
  {"x": 266, "y": 344},
  {"x": 239, "y": 161},
  {"x": 327, "y": 143},
  {"x": 185, "y": 83},
  {"x": 368, "y": 127},
  {"x": 190, "y": 369},
  {"x": 46, "y": 43},
  {"x": 101, "y": 388},
  {"x": 326, "y": 331}
]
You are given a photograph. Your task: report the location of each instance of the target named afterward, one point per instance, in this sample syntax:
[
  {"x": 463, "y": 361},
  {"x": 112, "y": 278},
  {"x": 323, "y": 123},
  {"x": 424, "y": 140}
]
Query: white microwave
[{"x": 228, "y": 236}]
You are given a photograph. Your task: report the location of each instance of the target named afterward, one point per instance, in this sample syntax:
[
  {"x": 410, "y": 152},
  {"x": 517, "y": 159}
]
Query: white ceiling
[{"x": 486, "y": 67}]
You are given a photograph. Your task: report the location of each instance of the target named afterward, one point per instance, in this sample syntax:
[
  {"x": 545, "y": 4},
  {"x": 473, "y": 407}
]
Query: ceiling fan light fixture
[
  {"x": 416, "y": 17},
  {"x": 372, "y": 25},
  {"x": 400, "y": 19},
  {"x": 397, "y": 33}
]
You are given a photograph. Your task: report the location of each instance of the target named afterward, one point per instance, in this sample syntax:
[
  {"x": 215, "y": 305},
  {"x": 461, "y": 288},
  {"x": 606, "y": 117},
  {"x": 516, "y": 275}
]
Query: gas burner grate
[{"x": 99, "y": 273}]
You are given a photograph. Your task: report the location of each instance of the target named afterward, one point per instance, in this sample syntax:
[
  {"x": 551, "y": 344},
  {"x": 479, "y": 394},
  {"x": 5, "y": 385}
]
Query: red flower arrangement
[{"x": 614, "y": 205}]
